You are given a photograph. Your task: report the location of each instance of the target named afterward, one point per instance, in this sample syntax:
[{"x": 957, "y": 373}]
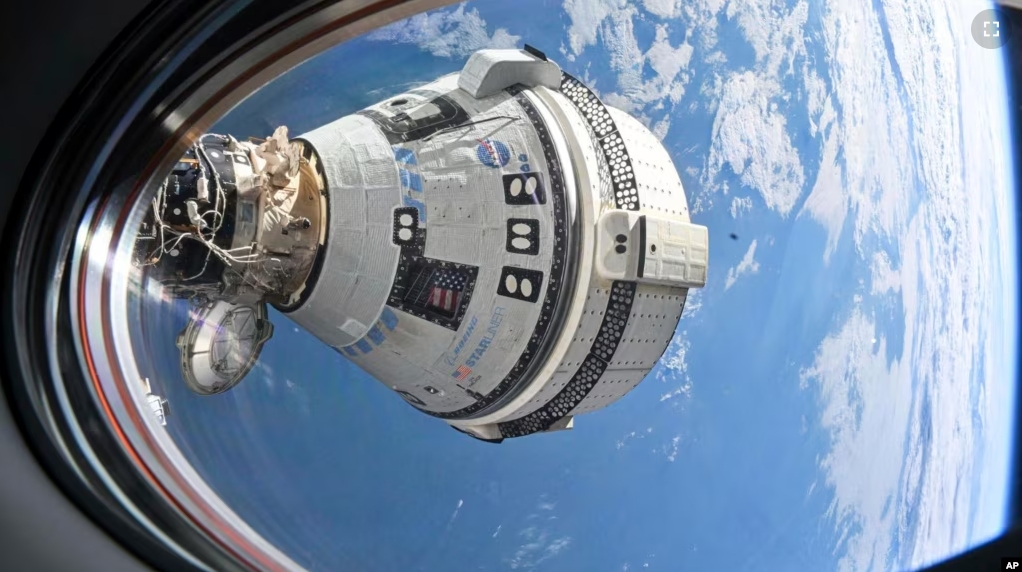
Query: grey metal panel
[
  {"x": 363, "y": 187},
  {"x": 456, "y": 244},
  {"x": 372, "y": 266}
]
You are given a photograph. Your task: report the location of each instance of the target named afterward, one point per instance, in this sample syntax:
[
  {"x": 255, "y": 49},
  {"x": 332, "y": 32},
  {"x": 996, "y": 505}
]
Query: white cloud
[
  {"x": 631, "y": 435},
  {"x": 864, "y": 403},
  {"x": 538, "y": 547},
  {"x": 685, "y": 390},
  {"x": 673, "y": 368},
  {"x": 446, "y": 33},
  {"x": 671, "y": 450},
  {"x": 661, "y": 127},
  {"x": 774, "y": 33},
  {"x": 702, "y": 20},
  {"x": 454, "y": 515},
  {"x": 612, "y": 23},
  {"x": 693, "y": 304},
  {"x": 740, "y": 205},
  {"x": 867, "y": 166},
  {"x": 667, "y": 9},
  {"x": 884, "y": 278},
  {"x": 496, "y": 532},
  {"x": 540, "y": 542},
  {"x": 828, "y": 202},
  {"x": 749, "y": 132},
  {"x": 947, "y": 278},
  {"x": 717, "y": 58},
  {"x": 750, "y": 136},
  {"x": 816, "y": 100},
  {"x": 747, "y": 265},
  {"x": 988, "y": 165},
  {"x": 586, "y": 17},
  {"x": 558, "y": 545},
  {"x": 674, "y": 358},
  {"x": 667, "y": 61}
]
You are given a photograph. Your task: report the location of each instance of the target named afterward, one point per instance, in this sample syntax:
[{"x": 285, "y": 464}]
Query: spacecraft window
[{"x": 351, "y": 225}]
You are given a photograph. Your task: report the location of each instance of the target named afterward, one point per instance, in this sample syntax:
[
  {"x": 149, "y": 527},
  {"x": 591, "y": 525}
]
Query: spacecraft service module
[{"x": 498, "y": 247}]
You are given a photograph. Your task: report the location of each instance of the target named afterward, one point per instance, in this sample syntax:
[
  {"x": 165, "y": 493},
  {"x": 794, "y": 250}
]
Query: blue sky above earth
[{"x": 839, "y": 395}]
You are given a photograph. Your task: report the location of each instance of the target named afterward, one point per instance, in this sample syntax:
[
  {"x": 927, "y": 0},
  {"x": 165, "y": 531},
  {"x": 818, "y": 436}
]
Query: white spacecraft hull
[
  {"x": 503, "y": 195},
  {"x": 498, "y": 247}
]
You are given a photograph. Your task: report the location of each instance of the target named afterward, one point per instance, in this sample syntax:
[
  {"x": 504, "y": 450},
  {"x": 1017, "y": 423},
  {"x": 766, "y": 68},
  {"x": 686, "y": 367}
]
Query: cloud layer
[
  {"x": 889, "y": 141},
  {"x": 646, "y": 81},
  {"x": 747, "y": 265},
  {"x": 446, "y": 33},
  {"x": 539, "y": 542}
]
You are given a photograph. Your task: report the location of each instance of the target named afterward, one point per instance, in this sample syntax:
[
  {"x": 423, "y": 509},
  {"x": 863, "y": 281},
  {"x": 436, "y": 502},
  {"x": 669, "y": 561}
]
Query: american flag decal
[
  {"x": 461, "y": 373},
  {"x": 446, "y": 290},
  {"x": 443, "y": 299}
]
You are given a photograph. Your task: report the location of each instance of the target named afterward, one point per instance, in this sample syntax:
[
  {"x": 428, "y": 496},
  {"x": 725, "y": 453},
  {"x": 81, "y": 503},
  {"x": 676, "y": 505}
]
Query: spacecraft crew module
[{"x": 498, "y": 247}]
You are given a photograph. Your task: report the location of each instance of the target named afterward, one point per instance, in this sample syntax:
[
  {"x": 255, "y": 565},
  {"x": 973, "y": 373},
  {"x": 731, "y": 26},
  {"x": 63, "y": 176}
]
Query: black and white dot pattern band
[
  {"x": 622, "y": 293},
  {"x": 615, "y": 318},
  {"x": 626, "y": 195}
]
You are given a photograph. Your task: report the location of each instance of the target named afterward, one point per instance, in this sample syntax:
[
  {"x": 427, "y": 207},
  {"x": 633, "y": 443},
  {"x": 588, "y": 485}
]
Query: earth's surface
[{"x": 838, "y": 397}]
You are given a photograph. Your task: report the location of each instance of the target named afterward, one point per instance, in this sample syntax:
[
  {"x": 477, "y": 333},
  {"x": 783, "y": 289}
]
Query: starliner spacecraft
[{"x": 498, "y": 247}]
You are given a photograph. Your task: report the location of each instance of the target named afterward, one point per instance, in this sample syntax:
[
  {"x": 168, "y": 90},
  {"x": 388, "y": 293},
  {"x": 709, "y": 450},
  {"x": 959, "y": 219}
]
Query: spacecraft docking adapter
[{"x": 498, "y": 247}]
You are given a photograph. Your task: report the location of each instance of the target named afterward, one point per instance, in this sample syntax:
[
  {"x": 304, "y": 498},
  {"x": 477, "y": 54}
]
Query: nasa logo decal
[{"x": 493, "y": 153}]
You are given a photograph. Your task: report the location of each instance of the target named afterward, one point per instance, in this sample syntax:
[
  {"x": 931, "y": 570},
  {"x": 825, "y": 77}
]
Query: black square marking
[
  {"x": 406, "y": 226},
  {"x": 520, "y": 283},
  {"x": 523, "y": 236},
  {"x": 524, "y": 189}
]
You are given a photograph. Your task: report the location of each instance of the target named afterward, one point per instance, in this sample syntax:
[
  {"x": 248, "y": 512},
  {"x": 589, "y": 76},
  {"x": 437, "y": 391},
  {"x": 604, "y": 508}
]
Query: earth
[{"x": 839, "y": 395}]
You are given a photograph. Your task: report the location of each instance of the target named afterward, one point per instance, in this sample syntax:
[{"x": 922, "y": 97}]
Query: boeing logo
[
  {"x": 491, "y": 332},
  {"x": 461, "y": 343}
]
